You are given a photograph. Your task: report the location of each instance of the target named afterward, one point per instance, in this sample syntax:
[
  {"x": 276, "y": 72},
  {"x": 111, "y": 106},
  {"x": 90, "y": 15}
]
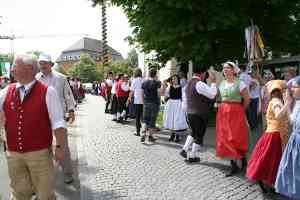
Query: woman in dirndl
[
  {"x": 231, "y": 124},
  {"x": 264, "y": 161},
  {"x": 288, "y": 176},
  {"x": 174, "y": 116}
]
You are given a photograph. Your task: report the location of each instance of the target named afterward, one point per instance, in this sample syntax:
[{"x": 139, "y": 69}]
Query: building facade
[{"x": 89, "y": 46}]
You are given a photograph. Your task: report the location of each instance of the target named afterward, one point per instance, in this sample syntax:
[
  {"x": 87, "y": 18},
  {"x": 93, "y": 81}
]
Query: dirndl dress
[
  {"x": 265, "y": 158},
  {"x": 288, "y": 177},
  {"x": 174, "y": 116},
  {"x": 231, "y": 125}
]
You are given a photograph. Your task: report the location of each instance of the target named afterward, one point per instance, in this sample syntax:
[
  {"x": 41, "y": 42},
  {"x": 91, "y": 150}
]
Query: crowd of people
[
  {"x": 40, "y": 101},
  {"x": 241, "y": 98}
]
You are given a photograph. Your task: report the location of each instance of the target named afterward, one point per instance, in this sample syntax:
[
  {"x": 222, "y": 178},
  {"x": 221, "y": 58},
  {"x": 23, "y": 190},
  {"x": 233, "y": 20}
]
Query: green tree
[
  {"x": 85, "y": 69},
  {"x": 62, "y": 70},
  {"x": 118, "y": 66},
  {"x": 133, "y": 58},
  {"x": 211, "y": 31},
  {"x": 6, "y": 58},
  {"x": 36, "y": 53}
]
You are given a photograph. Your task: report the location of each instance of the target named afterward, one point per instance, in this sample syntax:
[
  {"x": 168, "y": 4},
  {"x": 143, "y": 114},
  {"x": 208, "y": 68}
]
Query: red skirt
[
  {"x": 265, "y": 159},
  {"x": 231, "y": 131}
]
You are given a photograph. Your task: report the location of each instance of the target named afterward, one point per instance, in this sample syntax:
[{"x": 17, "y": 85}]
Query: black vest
[{"x": 196, "y": 103}]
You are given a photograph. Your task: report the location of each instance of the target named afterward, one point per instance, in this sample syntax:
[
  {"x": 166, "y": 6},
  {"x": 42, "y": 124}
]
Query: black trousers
[
  {"x": 198, "y": 124},
  {"x": 122, "y": 104},
  {"x": 108, "y": 100},
  {"x": 252, "y": 113},
  {"x": 114, "y": 105},
  {"x": 138, "y": 108}
]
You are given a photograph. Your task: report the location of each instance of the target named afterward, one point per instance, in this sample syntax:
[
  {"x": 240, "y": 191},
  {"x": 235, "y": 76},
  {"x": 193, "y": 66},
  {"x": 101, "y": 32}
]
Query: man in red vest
[
  {"x": 122, "y": 92},
  {"x": 32, "y": 111},
  {"x": 108, "y": 86}
]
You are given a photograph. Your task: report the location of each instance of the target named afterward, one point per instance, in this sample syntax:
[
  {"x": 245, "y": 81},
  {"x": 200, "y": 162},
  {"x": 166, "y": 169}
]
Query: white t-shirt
[
  {"x": 109, "y": 82},
  {"x": 255, "y": 91},
  {"x": 136, "y": 87},
  {"x": 246, "y": 78}
]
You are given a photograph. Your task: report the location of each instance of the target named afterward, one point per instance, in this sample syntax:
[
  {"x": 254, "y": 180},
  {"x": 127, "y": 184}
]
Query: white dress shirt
[
  {"x": 201, "y": 88},
  {"x": 59, "y": 82},
  {"x": 55, "y": 110},
  {"x": 125, "y": 86},
  {"x": 208, "y": 91},
  {"x": 109, "y": 82}
]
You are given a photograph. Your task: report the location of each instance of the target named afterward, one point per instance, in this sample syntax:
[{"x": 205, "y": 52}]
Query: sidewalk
[
  {"x": 113, "y": 164},
  {"x": 63, "y": 191}
]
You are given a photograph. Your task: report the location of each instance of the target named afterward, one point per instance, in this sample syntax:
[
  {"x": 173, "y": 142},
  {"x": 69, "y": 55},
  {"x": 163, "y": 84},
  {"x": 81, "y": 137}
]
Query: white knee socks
[
  {"x": 195, "y": 149},
  {"x": 188, "y": 143}
]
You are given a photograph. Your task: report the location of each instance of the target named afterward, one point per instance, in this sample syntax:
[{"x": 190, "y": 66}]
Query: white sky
[{"x": 57, "y": 17}]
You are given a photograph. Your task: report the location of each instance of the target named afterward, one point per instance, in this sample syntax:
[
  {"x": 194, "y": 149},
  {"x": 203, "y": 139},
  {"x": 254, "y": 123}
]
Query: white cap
[{"x": 45, "y": 57}]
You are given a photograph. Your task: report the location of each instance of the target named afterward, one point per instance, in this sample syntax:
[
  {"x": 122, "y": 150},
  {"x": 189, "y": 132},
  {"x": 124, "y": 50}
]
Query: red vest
[
  {"x": 119, "y": 91},
  {"x": 27, "y": 126},
  {"x": 107, "y": 87}
]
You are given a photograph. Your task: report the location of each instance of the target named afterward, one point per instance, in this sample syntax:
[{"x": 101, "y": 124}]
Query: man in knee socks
[{"x": 197, "y": 99}]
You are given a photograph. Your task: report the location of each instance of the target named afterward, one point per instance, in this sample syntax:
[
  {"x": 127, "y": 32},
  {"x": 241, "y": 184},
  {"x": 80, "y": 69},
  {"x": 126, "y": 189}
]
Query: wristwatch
[
  {"x": 58, "y": 146},
  {"x": 71, "y": 110}
]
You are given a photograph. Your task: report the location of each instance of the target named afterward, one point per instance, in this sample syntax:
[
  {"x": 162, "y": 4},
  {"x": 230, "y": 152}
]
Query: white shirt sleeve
[
  {"x": 68, "y": 96},
  {"x": 133, "y": 85},
  {"x": 125, "y": 87},
  {"x": 167, "y": 92},
  {"x": 184, "y": 99},
  {"x": 55, "y": 110},
  {"x": 242, "y": 86},
  {"x": 208, "y": 91},
  {"x": 3, "y": 93}
]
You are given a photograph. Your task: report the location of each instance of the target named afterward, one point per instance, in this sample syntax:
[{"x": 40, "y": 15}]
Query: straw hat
[{"x": 276, "y": 84}]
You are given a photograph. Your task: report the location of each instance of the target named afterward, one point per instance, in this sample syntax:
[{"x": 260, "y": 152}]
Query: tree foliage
[
  {"x": 6, "y": 58},
  {"x": 36, "y": 53},
  {"x": 133, "y": 58},
  {"x": 210, "y": 31},
  {"x": 85, "y": 69},
  {"x": 118, "y": 66}
]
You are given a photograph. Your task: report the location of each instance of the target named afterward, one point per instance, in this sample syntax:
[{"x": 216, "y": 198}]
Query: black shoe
[
  {"x": 262, "y": 187},
  {"x": 183, "y": 153},
  {"x": 177, "y": 138},
  {"x": 272, "y": 190},
  {"x": 193, "y": 160},
  {"x": 143, "y": 138},
  {"x": 106, "y": 111},
  {"x": 234, "y": 169},
  {"x": 114, "y": 120},
  {"x": 151, "y": 138},
  {"x": 244, "y": 163},
  {"x": 137, "y": 133},
  {"x": 172, "y": 137}
]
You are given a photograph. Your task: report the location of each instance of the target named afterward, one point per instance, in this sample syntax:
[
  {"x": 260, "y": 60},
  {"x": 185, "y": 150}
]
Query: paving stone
[{"x": 118, "y": 166}]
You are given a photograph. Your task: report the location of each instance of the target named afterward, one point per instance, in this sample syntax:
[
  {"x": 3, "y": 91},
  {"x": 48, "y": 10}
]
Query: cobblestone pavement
[{"x": 113, "y": 164}]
